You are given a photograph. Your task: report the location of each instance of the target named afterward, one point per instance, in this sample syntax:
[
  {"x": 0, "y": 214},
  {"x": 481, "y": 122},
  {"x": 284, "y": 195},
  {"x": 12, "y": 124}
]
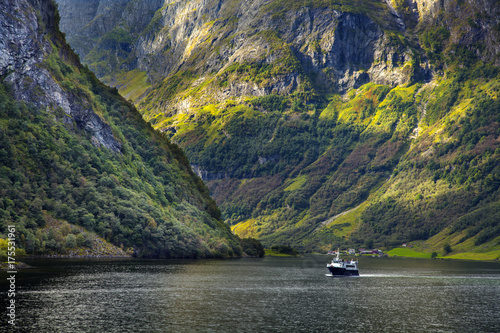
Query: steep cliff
[
  {"x": 104, "y": 32},
  {"x": 324, "y": 44},
  {"x": 317, "y": 123},
  {"x": 73, "y": 149},
  {"x": 26, "y": 65}
]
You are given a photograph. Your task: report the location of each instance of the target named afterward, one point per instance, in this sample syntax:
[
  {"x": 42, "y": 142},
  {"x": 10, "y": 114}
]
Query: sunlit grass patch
[
  {"x": 494, "y": 255},
  {"x": 406, "y": 252},
  {"x": 297, "y": 183},
  {"x": 245, "y": 229},
  {"x": 130, "y": 85}
]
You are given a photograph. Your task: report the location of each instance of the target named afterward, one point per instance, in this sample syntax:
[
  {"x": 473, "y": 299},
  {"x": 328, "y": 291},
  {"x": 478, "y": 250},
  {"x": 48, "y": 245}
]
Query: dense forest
[{"x": 143, "y": 198}]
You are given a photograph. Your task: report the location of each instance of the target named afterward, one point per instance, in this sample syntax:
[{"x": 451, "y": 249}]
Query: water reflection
[{"x": 264, "y": 295}]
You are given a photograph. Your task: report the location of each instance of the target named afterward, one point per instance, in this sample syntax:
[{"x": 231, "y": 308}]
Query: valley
[{"x": 322, "y": 124}]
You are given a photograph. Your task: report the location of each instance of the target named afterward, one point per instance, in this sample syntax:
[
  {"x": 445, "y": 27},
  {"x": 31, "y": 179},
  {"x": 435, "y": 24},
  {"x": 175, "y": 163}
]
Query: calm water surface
[{"x": 255, "y": 295}]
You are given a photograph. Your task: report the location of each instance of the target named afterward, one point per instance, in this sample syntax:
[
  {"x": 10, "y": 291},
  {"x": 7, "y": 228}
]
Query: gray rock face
[
  {"x": 24, "y": 46},
  {"x": 482, "y": 28},
  {"x": 207, "y": 175},
  {"x": 21, "y": 46},
  {"x": 342, "y": 49},
  {"x": 346, "y": 43},
  {"x": 76, "y": 14},
  {"x": 85, "y": 21},
  {"x": 346, "y": 50}
]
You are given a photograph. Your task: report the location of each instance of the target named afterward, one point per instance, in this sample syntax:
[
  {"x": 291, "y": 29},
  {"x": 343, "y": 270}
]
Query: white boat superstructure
[{"x": 341, "y": 267}]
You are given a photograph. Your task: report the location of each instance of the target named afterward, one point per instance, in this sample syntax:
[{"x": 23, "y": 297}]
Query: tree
[
  {"x": 252, "y": 247},
  {"x": 70, "y": 242},
  {"x": 65, "y": 228},
  {"x": 447, "y": 248},
  {"x": 88, "y": 221}
]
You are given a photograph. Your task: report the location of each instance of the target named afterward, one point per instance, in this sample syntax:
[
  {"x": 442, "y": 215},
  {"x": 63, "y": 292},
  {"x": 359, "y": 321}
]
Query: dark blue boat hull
[{"x": 343, "y": 272}]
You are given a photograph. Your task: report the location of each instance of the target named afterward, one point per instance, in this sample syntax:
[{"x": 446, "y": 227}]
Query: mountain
[
  {"x": 79, "y": 165},
  {"x": 323, "y": 122}
]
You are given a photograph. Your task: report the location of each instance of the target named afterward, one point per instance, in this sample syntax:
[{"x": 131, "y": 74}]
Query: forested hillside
[
  {"x": 323, "y": 123},
  {"x": 74, "y": 152}
]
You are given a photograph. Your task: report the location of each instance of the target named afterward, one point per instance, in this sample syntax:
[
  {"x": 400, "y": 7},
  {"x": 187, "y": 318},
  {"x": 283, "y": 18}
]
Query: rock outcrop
[
  {"x": 29, "y": 34},
  {"x": 472, "y": 24},
  {"x": 87, "y": 23}
]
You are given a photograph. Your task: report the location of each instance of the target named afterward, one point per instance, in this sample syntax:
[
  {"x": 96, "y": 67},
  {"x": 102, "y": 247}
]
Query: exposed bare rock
[{"x": 24, "y": 48}]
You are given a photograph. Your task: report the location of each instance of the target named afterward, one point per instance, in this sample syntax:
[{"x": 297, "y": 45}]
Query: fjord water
[{"x": 256, "y": 295}]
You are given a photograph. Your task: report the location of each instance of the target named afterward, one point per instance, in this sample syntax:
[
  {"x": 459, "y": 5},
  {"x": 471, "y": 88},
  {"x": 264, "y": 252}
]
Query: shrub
[{"x": 70, "y": 242}]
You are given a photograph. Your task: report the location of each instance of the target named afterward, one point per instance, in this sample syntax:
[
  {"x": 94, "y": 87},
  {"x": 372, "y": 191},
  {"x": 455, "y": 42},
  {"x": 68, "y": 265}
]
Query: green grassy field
[
  {"x": 494, "y": 255},
  {"x": 406, "y": 252}
]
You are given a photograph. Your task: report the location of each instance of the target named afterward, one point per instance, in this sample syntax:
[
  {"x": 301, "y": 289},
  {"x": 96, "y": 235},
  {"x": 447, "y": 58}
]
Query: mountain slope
[
  {"x": 322, "y": 123},
  {"x": 73, "y": 149}
]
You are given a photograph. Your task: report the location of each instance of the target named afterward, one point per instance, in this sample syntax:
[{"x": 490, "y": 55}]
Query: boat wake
[
  {"x": 385, "y": 275},
  {"x": 341, "y": 276}
]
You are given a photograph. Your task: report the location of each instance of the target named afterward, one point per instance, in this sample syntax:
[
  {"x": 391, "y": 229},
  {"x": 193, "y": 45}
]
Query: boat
[{"x": 342, "y": 267}]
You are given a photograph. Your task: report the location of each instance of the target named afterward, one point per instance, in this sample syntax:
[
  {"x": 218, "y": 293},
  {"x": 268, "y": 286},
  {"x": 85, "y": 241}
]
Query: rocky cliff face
[
  {"x": 28, "y": 35},
  {"x": 342, "y": 49},
  {"x": 106, "y": 24},
  {"x": 472, "y": 24},
  {"x": 342, "y": 46},
  {"x": 321, "y": 48}
]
